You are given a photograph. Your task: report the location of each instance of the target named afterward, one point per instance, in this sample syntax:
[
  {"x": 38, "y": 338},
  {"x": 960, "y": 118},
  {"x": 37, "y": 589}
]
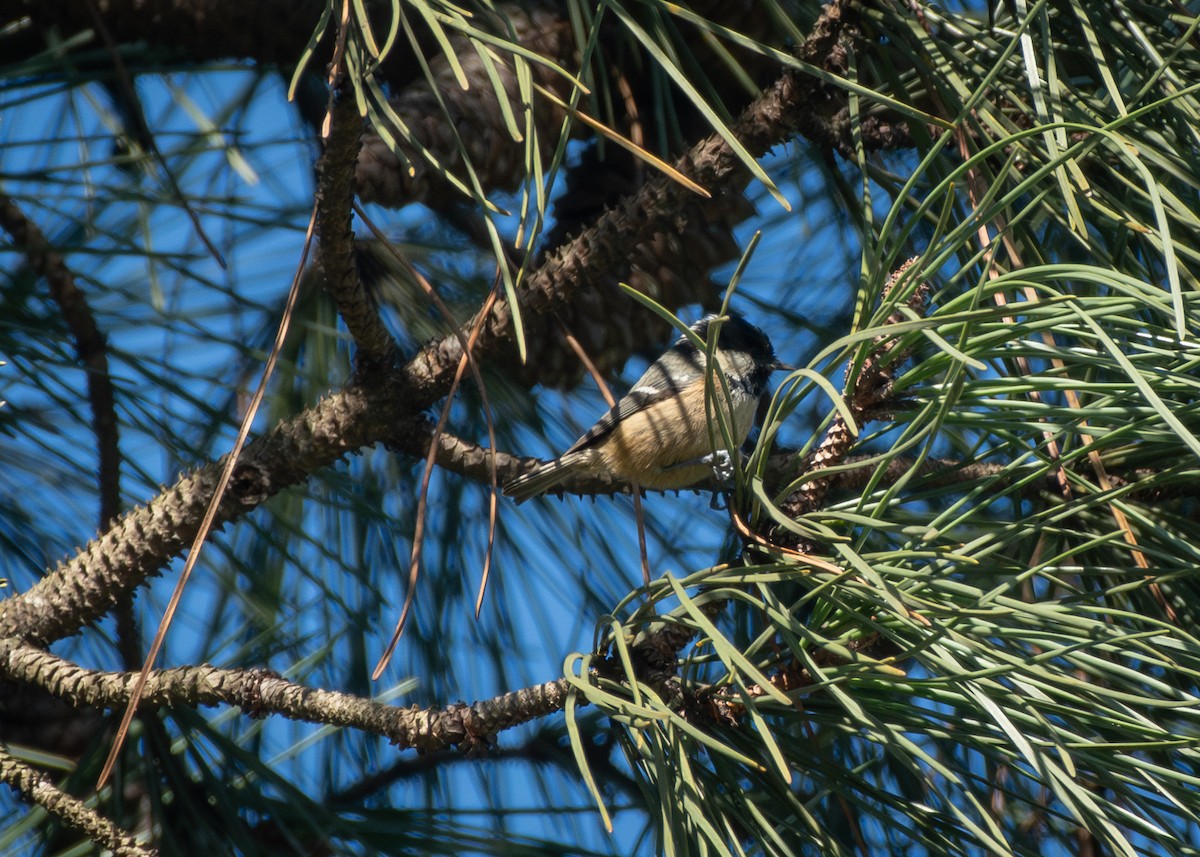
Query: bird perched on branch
[{"x": 664, "y": 434}]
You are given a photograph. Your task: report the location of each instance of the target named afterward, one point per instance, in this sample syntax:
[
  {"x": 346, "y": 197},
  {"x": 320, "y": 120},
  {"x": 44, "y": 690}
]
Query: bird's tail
[{"x": 544, "y": 478}]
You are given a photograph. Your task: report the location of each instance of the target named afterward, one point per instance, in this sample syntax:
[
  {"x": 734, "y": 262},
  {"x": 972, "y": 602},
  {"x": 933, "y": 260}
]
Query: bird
[{"x": 658, "y": 436}]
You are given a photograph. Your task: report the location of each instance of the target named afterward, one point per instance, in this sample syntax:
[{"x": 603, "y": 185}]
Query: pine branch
[
  {"x": 261, "y": 692},
  {"x": 336, "y": 254},
  {"x": 37, "y": 789},
  {"x": 143, "y": 541},
  {"x": 869, "y": 388}
]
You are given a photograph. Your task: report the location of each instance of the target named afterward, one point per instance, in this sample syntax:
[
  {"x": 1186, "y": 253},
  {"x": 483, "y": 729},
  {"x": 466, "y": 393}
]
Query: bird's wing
[
  {"x": 654, "y": 386},
  {"x": 635, "y": 401}
]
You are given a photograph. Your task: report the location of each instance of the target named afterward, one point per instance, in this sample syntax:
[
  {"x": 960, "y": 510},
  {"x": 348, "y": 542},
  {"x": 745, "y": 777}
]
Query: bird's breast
[{"x": 656, "y": 445}]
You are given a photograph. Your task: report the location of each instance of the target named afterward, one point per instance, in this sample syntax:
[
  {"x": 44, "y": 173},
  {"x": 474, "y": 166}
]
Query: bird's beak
[{"x": 782, "y": 367}]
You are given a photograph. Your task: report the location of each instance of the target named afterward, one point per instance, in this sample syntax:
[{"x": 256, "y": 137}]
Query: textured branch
[
  {"x": 580, "y": 278},
  {"x": 600, "y": 256},
  {"x": 456, "y": 454},
  {"x": 669, "y": 245},
  {"x": 144, "y": 540},
  {"x": 260, "y": 692},
  {"x": 36, "y": 788},
  {"x": 870, "y": 386},
  {"x": 335, "y": 251}
]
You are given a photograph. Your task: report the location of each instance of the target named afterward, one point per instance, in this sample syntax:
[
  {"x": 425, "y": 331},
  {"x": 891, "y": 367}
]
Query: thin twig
[{"x": 335, "y": 254}]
